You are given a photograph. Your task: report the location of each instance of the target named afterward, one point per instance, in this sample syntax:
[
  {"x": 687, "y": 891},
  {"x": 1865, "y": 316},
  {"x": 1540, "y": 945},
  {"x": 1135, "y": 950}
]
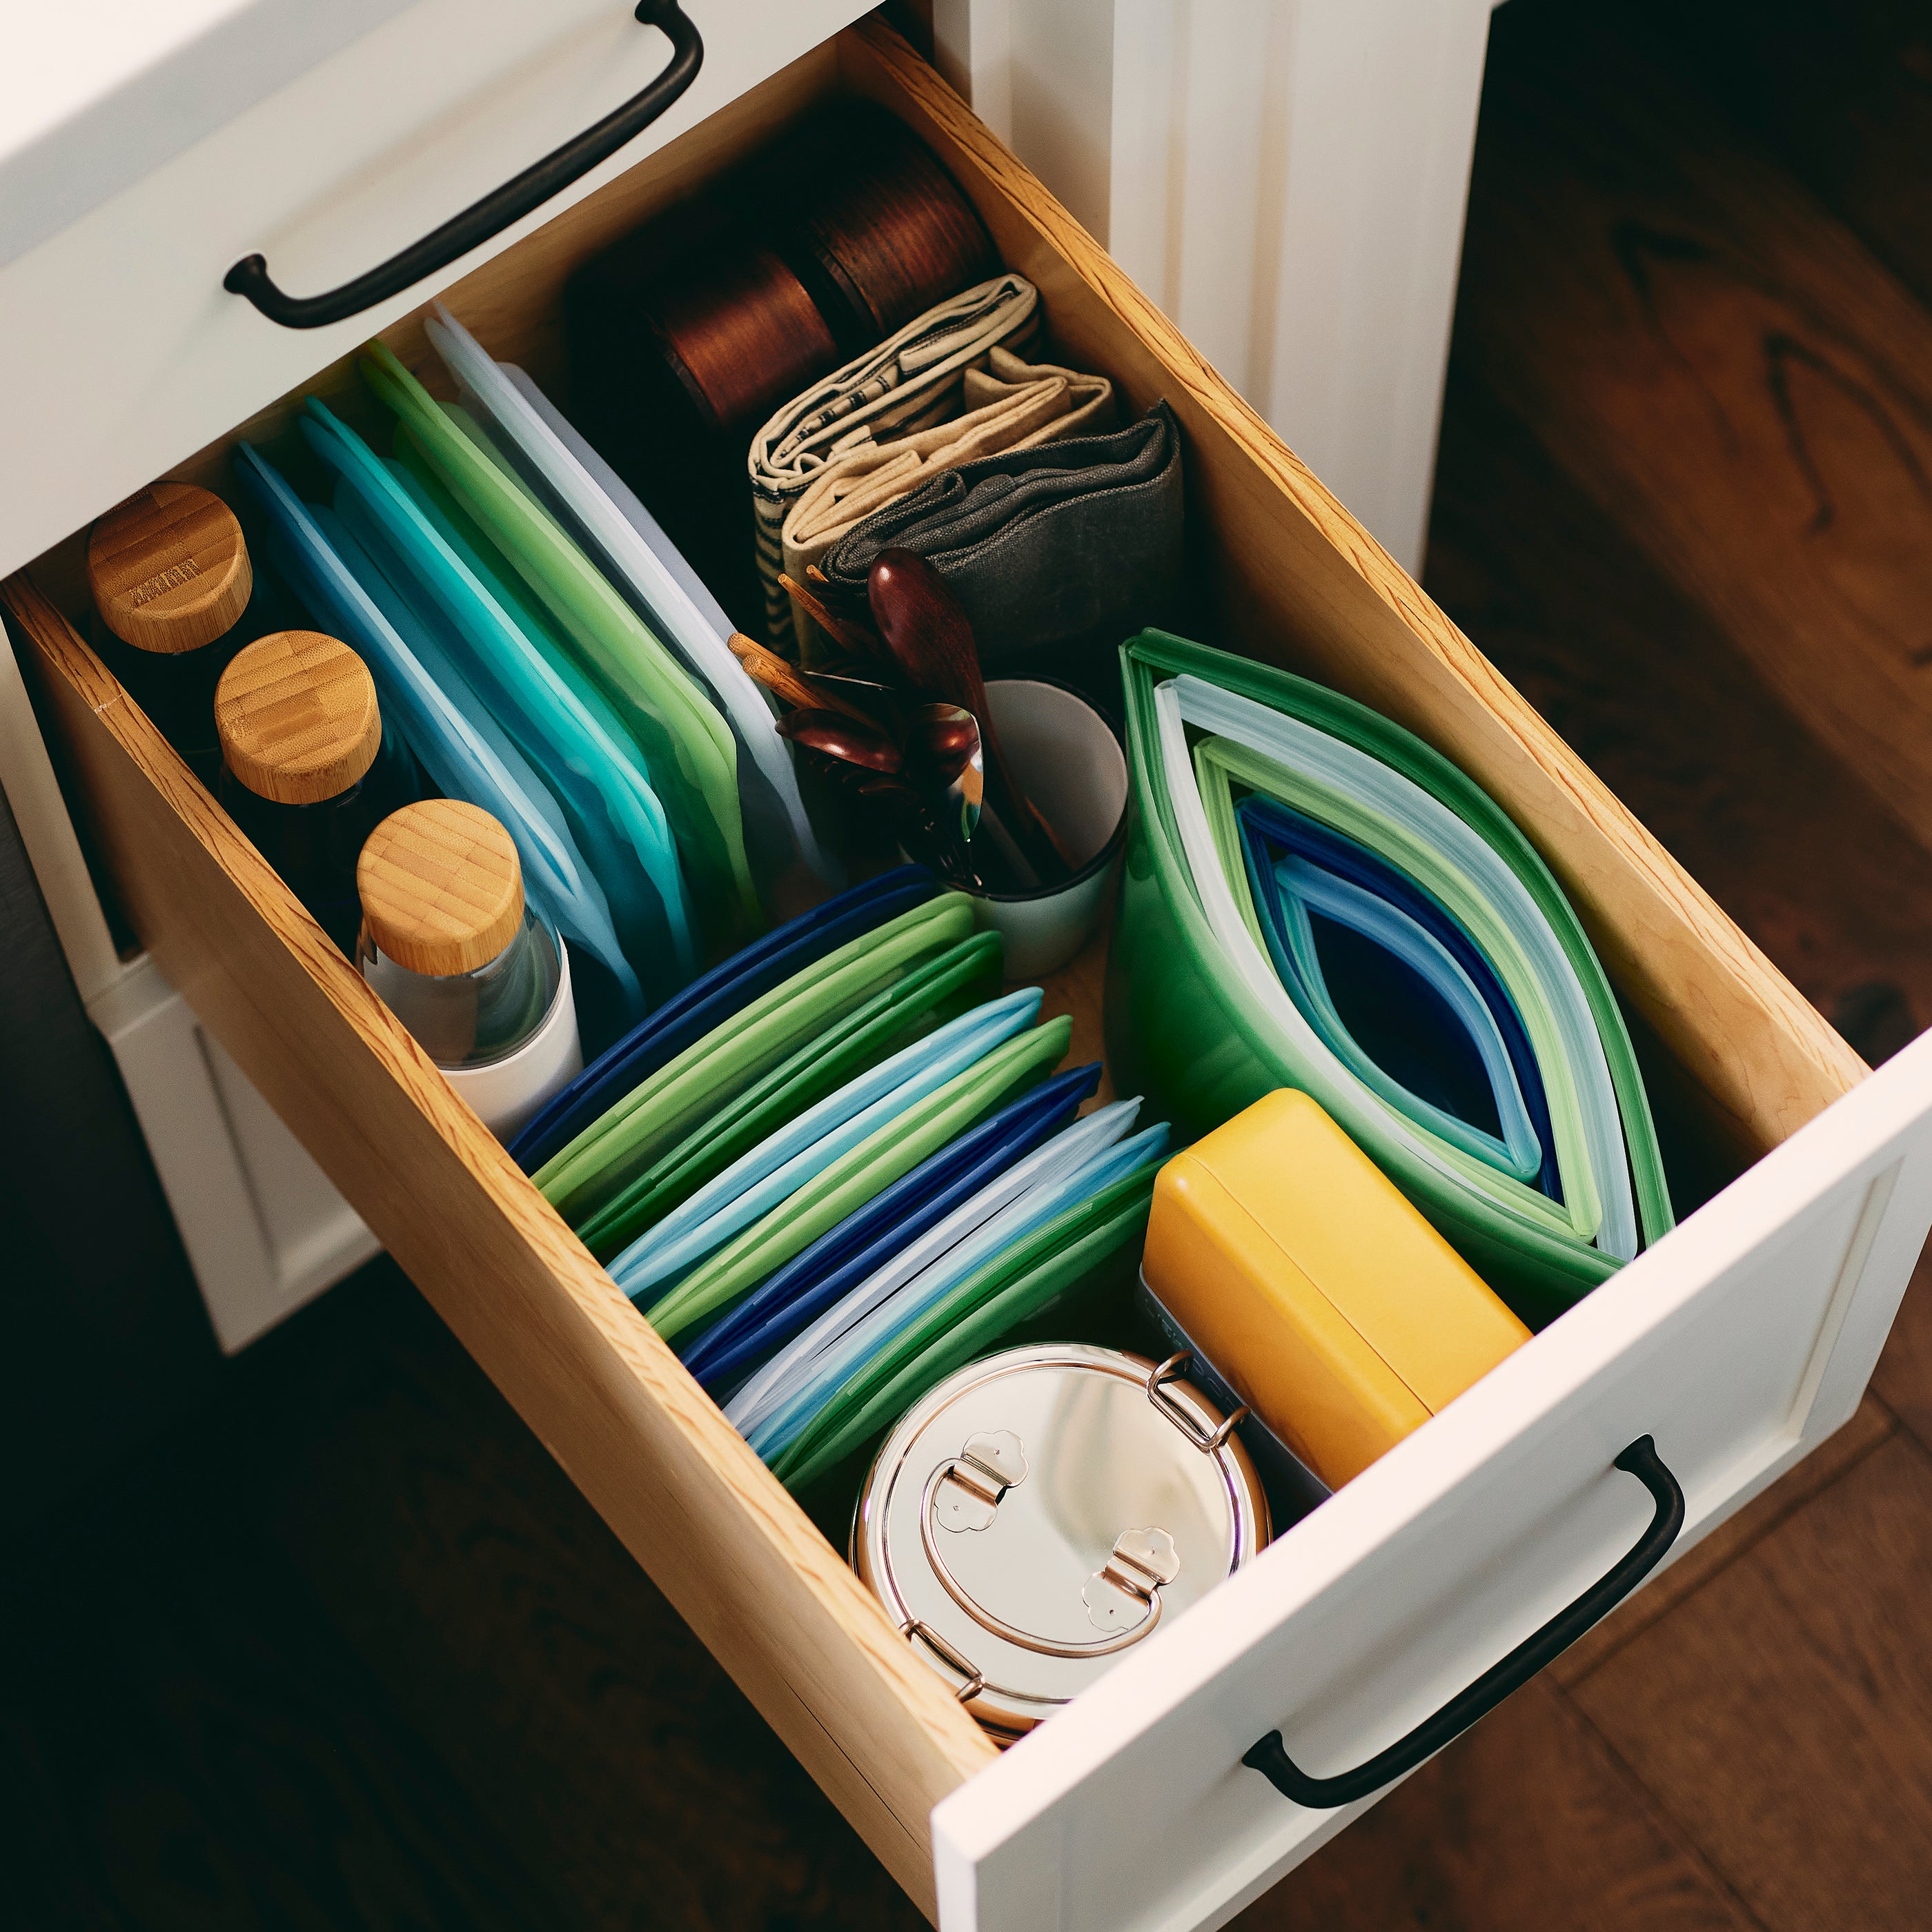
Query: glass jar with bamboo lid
[
  {"x": 454, "y": 951},
  {"x": 175, "y": 596},
  {"x": 308, "y": 769}
]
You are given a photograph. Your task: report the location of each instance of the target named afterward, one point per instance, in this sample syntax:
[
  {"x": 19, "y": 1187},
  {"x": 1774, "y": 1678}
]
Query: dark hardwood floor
[{"x": 346, "y": 1648}]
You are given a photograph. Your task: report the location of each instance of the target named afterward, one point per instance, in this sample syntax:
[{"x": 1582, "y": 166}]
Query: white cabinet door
[{"x": 1738, "y": 1343}]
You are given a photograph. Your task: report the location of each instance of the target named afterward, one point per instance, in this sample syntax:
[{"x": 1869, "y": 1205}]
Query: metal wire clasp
[{"x": 1189, "y": 1425}]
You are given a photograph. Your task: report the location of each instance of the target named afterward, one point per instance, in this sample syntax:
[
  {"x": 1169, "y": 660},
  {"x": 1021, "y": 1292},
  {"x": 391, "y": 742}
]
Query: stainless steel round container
[{"x": 1042, "y": 1510}]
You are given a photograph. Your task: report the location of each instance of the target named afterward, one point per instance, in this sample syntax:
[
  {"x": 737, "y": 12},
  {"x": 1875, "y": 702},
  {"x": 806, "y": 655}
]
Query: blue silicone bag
[
  {"x": 709, "y": 1001},
  {"x": 772, "y": 1171},
  {"x": 1430, "y": 1018},
  {"x": 592, "y": 765},
  {"x": 1271, "y": 830},
  {"x": 461, "y": 750},
  {"x": 788, "y": 1304},
  {"x": 786, "y": 1416}
]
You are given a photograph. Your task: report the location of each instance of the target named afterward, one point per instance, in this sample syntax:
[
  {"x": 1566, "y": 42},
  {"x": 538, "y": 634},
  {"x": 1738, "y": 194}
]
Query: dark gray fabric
[{"x": 1048, "y": 550}]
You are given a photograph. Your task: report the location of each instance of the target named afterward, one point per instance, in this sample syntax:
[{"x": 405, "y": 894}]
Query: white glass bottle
[{"x": 453, "y": 951}]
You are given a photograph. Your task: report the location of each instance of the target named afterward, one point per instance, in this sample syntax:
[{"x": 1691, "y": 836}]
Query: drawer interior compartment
[{"x": 1280, "y": 572}]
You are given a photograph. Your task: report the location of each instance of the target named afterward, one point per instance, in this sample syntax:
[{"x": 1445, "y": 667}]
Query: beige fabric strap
[
  {"x": 1009, "y": 405},
  {"x": 910, "y": 381}
]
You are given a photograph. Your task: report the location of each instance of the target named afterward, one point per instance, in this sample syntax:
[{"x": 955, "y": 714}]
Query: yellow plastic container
[{"x": 1338, "y": 1314}]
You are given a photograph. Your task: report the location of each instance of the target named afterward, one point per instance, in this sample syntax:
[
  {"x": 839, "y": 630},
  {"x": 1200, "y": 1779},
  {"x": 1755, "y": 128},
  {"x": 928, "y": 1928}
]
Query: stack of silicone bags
[
  {"x": 842, "y": 1164},
  {"x": 1314, "y": 899},
  {"x": 548, "y": 655}
]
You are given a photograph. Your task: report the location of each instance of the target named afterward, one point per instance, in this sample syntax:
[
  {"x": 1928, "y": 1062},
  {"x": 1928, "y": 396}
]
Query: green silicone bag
[
  {"x": 965, "y": 976},
  {"x": 721, "y": 1282},
  {"x": 629, "y": 1138},
  {"x": 1011, "y": 1288},
  {"x": 1184, "y": 1027},
  {"x": 692, "y": 756}
]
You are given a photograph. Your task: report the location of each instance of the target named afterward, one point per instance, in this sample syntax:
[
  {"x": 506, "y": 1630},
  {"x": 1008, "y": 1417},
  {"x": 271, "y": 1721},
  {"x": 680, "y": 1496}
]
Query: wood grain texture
[
  {"x": 1802, "y": 1655},
  {"x": 441, "y": 889},
  {"x": 1294, "y": 579},
  {"x": 297, "y": 717},
  {"x": 1642, "y": 681},
  {"x": 1526, "y": 1824},
  {"x": 681, "y": 1488},
  {"x": 1841, "y": 93},
  {"x": 168, "y": 569},
  {"x": 1742, "y": 385}
]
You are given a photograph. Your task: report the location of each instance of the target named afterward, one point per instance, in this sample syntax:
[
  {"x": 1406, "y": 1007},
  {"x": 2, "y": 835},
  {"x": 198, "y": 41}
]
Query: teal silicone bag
[
  {"x": 592, "y": 765},
  {"x": 691, "y": 755},
  {"x": 458, "y": 745}
]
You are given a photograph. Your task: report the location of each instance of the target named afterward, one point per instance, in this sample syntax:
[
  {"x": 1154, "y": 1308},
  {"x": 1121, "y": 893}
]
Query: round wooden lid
[
  {"x": 442, "y": 891},
  {"x": 169, "y": 569},
  {"x": 297, "y": 717}
]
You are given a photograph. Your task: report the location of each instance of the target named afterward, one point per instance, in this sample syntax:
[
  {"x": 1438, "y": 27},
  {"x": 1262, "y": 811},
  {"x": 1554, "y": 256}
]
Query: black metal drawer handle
[
  {"x": 496, "y": 211},
  {"x": 1271, "y": 1758}
]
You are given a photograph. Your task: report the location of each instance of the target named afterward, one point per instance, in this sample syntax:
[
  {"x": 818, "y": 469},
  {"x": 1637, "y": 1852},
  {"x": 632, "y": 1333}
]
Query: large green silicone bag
[{"x": 1184, "y": 1028}]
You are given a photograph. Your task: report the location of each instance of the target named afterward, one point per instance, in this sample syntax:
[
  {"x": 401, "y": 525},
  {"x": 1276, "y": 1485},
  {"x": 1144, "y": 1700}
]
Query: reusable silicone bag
[
  {"x": 712, "y": 999},
  {"x": 461, "y": 748}
]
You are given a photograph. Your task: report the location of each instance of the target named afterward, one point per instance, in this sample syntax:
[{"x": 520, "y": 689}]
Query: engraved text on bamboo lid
[
  {"x": 297, "y": 716},
  {"x": 442, "y": 891},
  {"x": 169, "y": 569}
]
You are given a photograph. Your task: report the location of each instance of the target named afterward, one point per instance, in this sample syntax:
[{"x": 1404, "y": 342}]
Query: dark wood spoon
[
  {"x": 850, "y": 740},
  {"x": 929, "y": 634}
]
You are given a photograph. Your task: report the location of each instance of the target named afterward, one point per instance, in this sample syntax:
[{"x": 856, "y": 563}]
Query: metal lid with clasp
[{"x": 1043, "y": 1510}]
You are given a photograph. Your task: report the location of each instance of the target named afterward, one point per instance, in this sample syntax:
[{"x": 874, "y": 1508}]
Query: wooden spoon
[
  {"x": 924, "y": 629},
  {"x": 852, "y": 741}
]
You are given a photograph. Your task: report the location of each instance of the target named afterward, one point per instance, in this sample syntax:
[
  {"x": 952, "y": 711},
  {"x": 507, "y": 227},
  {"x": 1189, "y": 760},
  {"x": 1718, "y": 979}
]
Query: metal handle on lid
[
  {"x": 1206, "y": 1441},
  {"x": 1270, "y": 1757},
  {"x": 496, "y": 211}
]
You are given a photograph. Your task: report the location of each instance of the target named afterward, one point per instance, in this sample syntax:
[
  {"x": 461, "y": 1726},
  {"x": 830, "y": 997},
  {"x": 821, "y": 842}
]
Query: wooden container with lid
[
  {"x": 297, "y": 716},
  {"x": 442, "y": 891},
  {"x": 168, "y": 569}
]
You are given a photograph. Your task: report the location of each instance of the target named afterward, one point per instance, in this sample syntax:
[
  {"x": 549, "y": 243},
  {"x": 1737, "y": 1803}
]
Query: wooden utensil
[
  {"x": 929, "y": 634},
  {"x": 854, "y": 639},
  {"x": 852, "y": 741},
  {"x": 788, "y": 683}
]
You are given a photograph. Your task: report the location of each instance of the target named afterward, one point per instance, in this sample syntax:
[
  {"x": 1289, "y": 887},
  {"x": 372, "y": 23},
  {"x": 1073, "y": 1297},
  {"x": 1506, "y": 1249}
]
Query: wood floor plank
[
  {"x": 579, "y": 1713},
  {"x": 1841, "y": 92},
  {"x": 1526, "y": 1824},
  {"x": 1783, "y": 1713},
  {"x": 1904, "y": 1381},
  {"x": 1658, "y": 701},
  {"x": 1737, "y": 380}
]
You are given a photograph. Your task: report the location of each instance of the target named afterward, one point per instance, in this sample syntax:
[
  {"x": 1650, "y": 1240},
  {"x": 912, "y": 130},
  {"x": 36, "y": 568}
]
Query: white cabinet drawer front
[
  {"x": 1738, "y": 1343},
  {"x": 140, "y": 357}
]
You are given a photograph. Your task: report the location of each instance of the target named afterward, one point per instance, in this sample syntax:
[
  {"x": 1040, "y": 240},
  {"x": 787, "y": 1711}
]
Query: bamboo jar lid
[
  {"x": 297, "y": 717},
  {"x": 442, "y": 891},
  {"x": 169, "y": 569}
]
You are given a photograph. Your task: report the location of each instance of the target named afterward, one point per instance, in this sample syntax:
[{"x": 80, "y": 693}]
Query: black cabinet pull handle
[
  {"x": 496, "y": 210},
  {"x": 1270, "y": 1756}
]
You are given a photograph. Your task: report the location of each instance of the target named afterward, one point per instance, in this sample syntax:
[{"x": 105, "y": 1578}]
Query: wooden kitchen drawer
[{"x": 1738, "y": 1342}]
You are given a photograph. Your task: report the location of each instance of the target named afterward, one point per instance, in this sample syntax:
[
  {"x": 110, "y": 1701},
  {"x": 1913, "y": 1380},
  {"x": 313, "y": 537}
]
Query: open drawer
[{"x": 1739, "y": 1343}]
